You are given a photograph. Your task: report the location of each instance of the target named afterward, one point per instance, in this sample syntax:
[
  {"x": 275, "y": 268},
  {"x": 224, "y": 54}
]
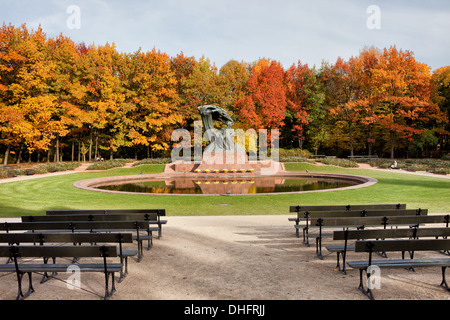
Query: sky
[{"x": 287, "y": 31}]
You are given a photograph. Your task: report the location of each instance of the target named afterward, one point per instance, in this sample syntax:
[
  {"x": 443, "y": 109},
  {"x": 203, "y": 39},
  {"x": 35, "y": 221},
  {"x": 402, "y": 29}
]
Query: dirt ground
[{"x": 235, "y": 257}]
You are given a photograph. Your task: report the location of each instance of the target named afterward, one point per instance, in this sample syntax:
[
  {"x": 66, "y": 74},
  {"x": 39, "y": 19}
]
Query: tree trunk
[
  {"x": 392, "y": 144},
  {"x": 369, "y": 142},
  {"x": 351, "y": 139},
  {"x": 79, "y": 151},
  {"x": 96, "y": 145},
  {"x": 90, "y": 145},
  {"x": 300, "y": 143},
  {"x": 57, "y": 149},
  {"x": 19, "y": 154},
  {"x": 73, "y": 150},
  {"x": 5, "y": 160}
]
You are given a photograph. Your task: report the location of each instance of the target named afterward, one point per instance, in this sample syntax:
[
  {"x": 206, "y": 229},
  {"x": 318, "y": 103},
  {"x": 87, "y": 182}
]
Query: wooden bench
[
  {"x": 399, "y": 245},
  {"x": 346, "y": 235},
  {"x": 377, "y": 221},
  {"x": 158, "y": 221},
  {"x": 352, "y": 213},
  {"x": 301, "y": 210},
  {"x": 75, "y": 238},
  {"x": 356, "y": 213},
  {"x": 14, "y": 252},
  {"x": 84, "y": 226},
  {"x": 150, "y": 217}
]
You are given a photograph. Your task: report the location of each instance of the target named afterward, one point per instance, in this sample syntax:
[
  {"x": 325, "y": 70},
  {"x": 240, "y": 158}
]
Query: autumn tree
[
  {"x": 233, "y": 77},
  {"x": 342, "y": 90},
  {"x": 183, "y": 67},
  {"x": 404, "y": 95},
  {"x": 305, "y": 97},
  {"x": 104, "y": 97},
  {"x": 264, "y": 104},
  {"x": 367, "y": 91},
  {"x": 28, "y": 104},
  {"x": 441, "y": 81},
  {"x": 67, "y": 89},
  {"x": 151, "y": 99}
]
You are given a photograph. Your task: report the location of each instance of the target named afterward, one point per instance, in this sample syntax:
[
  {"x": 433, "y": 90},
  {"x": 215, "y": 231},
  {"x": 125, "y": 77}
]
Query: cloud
[{"x": 284, "y": 30}]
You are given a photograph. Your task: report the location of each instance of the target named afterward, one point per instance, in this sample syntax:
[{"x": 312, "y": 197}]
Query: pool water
[{"x": 255, "y": 185}]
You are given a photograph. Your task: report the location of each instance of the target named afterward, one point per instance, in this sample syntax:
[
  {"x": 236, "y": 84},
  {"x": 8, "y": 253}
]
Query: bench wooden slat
[
  {"x": 59, "y": 251},
  {"x": 29, "y": 237},
  {"x": 151, "y": 217},
  {"x": 346, "y": 207},
  {"x": 160, "y": 212},
  {"x": 401, "y": 263},
  {"x": 367, "y": 213},
  {"x": 77, "y": 225},
  {"x": 402, "y": 245},
  {"x": 61, "y": 267},
  {"x": 377, "y": 221},
  {"x": 390, "y": 233}
]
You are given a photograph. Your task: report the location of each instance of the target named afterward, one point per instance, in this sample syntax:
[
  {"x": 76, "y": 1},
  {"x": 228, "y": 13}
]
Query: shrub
[
  {"x": 153, "y": 161},
  {"x": 339, "y": 162},
  {"x": 29, "y": 171},
  {"x": 108, "y": 164},
  {"x": 294, "y": 153}
]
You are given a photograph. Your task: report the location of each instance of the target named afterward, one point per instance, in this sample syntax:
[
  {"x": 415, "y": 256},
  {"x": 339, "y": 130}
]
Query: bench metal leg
[
  {"x": 319, "y": 247},
  {"x": 124, "y": 270},
  {"x": 297, "y": 231},
  {"x": 47, "y": 277},
  {"x": 150, "y": 241},
  {"x": 20, "y": 294},
  {"x": 140, "y": 250},
  {"x": 367, "y": 292},
  {"x": 306, "y": 236},
  {"x": 444, "y": 281},
  {"x": 109, "y": 293},
  {"x": 338, "y": 263}
]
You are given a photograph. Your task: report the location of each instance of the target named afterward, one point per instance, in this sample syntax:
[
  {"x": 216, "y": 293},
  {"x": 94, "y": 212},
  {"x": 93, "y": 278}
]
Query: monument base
[{"x": 226, "y": 163}]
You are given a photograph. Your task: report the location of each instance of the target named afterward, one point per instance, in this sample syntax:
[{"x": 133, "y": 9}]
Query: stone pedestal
[{"x": 226, "y": 163}]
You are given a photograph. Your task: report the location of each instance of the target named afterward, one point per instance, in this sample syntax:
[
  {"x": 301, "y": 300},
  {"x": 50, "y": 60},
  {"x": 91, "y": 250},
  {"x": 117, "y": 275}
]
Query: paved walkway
[{"x": 84, "y": 166}]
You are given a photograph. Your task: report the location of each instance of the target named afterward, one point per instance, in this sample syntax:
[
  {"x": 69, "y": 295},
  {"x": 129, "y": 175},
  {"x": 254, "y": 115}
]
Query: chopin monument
[{"x": 223, "y": 154}]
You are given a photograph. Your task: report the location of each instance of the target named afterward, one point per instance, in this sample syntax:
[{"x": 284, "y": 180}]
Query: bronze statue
[{"x": 224, "y": 137}]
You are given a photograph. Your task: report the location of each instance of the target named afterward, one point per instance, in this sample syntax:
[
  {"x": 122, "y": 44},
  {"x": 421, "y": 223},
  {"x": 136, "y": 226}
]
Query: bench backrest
[
  {"x": 58, "y": 251},
  {"x": 379, "y": 221},
  {"x": 363, "y": 213},
  {"x": 160, "y": 212},
  {"x": 347, "y": 207},
  {"x": 390, "y": 233},
  {"x": 77, "y": 225},
  {"x": 93, "y": 217},
  {"x": 402, "y": 245},
  {"x": 43, "y": 238}
]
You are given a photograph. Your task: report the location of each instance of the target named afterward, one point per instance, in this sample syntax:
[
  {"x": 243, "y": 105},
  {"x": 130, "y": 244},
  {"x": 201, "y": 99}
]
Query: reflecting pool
[{"x": 233, "y": 185}]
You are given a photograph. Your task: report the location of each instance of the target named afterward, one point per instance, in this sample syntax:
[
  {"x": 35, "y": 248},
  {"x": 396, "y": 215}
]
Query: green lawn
[{"x": 37, "y": 195}]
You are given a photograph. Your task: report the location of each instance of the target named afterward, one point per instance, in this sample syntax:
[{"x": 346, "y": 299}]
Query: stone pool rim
[{"x": 90, "y": 184}]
